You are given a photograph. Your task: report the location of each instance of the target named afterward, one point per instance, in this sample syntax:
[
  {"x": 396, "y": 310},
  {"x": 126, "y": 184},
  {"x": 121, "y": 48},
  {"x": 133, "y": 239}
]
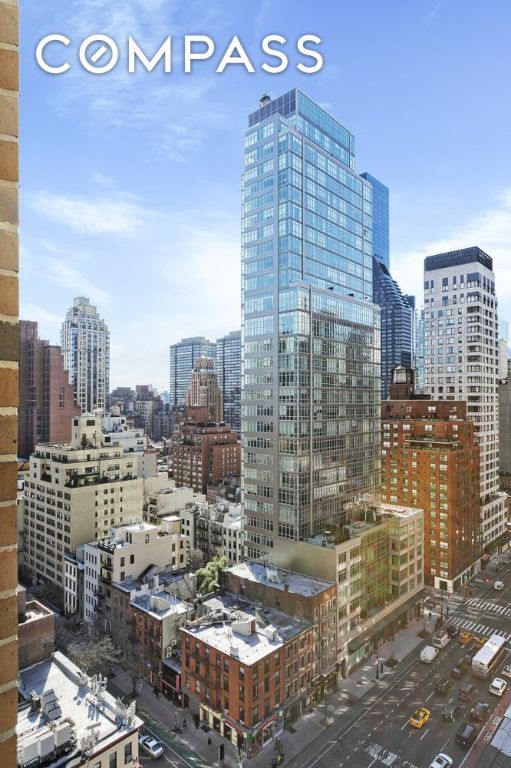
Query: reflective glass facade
[
  {"x": 381, "y": 239},
  {"x": 397, "y": 320},
  {"x": 228, "y": 369},
  {"x": 310, "y": 334},
  {"x": 182, "y": 359}
]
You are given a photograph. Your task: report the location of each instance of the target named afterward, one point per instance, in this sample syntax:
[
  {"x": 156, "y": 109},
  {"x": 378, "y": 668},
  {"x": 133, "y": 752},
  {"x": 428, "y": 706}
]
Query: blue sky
[{"x": 130, "y": 183}]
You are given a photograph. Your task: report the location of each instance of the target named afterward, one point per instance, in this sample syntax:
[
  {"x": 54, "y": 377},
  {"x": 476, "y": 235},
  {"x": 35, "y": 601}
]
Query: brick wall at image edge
[{"x": 9, "y": 92}]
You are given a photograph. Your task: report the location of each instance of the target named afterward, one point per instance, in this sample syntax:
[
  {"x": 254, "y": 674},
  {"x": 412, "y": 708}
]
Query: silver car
[{"x": 150, "y": 746}]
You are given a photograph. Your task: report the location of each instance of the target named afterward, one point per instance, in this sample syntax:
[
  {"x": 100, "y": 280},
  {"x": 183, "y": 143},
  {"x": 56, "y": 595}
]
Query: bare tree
[
  {"x": 93, "y": 656},
  {"x": 196, "y": 559}
]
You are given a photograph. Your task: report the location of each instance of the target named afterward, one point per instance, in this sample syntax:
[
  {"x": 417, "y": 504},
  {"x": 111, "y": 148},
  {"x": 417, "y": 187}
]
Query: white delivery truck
[
  {"x": 428, "y": 654},
  {"x": 441, "y": 638}
]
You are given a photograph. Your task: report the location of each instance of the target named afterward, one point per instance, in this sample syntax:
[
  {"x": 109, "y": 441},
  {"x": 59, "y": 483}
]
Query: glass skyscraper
[
  {"x": 228, "y": 369},
  {"x": 182, "y": 360},
  {"x": 310, "y": 332},
  {"x": 397, "y": 310},
  {"x": 381, "y": 237},
  {"x": 397, "y": 318}
]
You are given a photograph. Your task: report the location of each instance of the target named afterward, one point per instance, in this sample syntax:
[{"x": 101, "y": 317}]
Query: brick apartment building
[
  {"x": 36, "y": 630},
  {"x": 145, "y": 617},
  {"x": 298, "y": 595},
  {"x": 246, "y": 671},
  {"x": 46, "y": 397},
  {"x": 430, "y": 459},
  {"x": 203, "y": 453}
]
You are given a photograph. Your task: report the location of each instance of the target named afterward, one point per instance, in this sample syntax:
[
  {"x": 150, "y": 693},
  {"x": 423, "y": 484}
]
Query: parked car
[
  {"x": 479, "y": 711},
  {"x": 466, "y": 735},
  {"x": 452, "y": 631},
  {"x": 467, "y": 693},
  {"x": 420, "y": 717},
  {"x": 444, "y": 685},
  {"x": 497, "y": 686},
  {"x": 466, "y": 638},
  {"x": 442, "y": 761},
  {"x": 506, "y": 671},
  {"x": 450, "y": 713},
  {"x": 461, "y": 667},
  {"x": 498, "y": 585},
  {"x": 150, "y": 746}
]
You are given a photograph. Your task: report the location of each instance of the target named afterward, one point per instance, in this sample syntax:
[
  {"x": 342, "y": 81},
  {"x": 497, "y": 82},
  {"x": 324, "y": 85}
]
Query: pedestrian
[
  {"x": 209, "y": 741},
  {"x": 184, "y": 722}
]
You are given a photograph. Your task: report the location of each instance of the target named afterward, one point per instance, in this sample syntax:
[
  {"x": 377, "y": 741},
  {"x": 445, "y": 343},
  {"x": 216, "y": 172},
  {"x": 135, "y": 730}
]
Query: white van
[
  {"x": 428, "y": 654},
  {"x": 498, "y": 585},
  {"x": 441, "y": 638}
]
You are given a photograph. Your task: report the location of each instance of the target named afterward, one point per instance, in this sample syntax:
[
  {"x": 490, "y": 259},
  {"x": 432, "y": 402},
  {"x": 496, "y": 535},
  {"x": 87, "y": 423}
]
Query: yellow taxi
[
  {"x": 480, "y": 641},
  {"x": 420, "y": 717},
  {"x": 466, "y": 638}
]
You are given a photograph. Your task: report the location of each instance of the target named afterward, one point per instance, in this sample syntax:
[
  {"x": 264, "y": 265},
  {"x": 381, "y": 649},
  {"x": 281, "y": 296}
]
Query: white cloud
[
  {"x": 142, "y": 101},
  {"x": 63, "y": 274},
  {"x": 103, "y": 215},
  {"x": 490, "y": 230},
  {"x": 50, "y": 320}
]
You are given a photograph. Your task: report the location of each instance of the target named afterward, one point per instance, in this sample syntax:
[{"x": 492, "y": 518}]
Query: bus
[{"x": 490, "y": 655}]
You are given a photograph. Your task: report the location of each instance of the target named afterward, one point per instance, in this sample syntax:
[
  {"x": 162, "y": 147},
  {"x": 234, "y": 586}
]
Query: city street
[{"x": 376, "y": 732}]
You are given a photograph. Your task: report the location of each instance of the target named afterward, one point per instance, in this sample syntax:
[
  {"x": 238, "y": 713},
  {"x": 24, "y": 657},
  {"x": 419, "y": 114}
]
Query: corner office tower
[
  {"x": 310, "y": 333},
  {"x": 461, "y": 351}
]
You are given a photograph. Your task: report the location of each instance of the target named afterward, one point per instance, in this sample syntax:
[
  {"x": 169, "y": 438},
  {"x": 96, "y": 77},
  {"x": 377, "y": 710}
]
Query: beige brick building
[{"x": 75, "y": 494}]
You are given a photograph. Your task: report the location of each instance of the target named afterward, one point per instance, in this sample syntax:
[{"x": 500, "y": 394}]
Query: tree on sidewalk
[{"x": 93, "y": 656}]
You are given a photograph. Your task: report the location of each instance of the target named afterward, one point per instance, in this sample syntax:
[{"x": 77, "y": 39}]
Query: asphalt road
[{"x": 376, "y": 733}]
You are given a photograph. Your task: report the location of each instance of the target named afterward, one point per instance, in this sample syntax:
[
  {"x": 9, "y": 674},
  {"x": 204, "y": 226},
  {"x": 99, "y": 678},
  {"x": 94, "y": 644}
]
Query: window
[
  {"x": 113, "y": 760},
  {"x": 128, "y": 753}
]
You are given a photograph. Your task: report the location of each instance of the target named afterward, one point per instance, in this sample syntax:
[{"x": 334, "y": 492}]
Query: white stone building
[
  {"x": 461, "y": 343},
  {"x": 124, "y": 555}
]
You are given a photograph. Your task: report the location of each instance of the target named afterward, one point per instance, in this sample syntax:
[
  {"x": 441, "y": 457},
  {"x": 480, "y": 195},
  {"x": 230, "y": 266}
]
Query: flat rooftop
[
  {"x": 223, "y": 629},
  {"x": 161, "y": 604},
  {"x": 69, "y": 700},
  {"x": 278, "y": 578}
]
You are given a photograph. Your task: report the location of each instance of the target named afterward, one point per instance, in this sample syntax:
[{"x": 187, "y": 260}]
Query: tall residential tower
[
  {"x": 397, "y": 310},
  {"x": 85, "y": 342},
  {"x": 228, "y": 369},
  {"x": 311, "y": 374},
  {"x": 462, "y": 359},
  {"x": 182, "y": 359},
  {"x": 46, "y": 396}
]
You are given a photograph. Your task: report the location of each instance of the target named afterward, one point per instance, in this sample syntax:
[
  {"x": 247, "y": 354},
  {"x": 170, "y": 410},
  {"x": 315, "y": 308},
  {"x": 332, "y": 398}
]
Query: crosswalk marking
[
  {"x": 473, "y": 626},
  {"x": 486, "y": 605}
]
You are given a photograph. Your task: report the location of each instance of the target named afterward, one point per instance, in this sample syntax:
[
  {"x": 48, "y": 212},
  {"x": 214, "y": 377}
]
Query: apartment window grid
[
  {"x": 461, "y": 357},
  {"x": 317, "y": 364}
]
